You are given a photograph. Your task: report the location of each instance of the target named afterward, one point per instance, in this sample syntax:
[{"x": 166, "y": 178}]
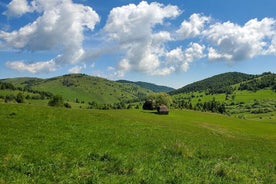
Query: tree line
[
  {"x": 42, "y": 94},
  {"x": 211, "y": 106},
  {"x": 266, "y": 80}
]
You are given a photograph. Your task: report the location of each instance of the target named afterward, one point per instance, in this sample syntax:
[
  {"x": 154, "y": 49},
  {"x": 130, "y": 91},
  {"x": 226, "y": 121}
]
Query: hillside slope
[
  {"x": 149, "y": 86},
  {"x": 83, "y": 88},
  {"x": 216, "y": 84},
  {"x": 236, "y": 94},
  {"x": 265, "y": 80}
]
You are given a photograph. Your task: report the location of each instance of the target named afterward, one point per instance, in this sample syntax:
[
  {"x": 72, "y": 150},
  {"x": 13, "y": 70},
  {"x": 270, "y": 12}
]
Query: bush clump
[{"x": 56, "y": 101}]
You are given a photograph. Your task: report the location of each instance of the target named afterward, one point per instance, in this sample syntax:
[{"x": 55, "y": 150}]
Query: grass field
[
  {"x": 259, "y": 105},
  {"x": 239, "y": 96},
  {"x": 58, "y": 145}
]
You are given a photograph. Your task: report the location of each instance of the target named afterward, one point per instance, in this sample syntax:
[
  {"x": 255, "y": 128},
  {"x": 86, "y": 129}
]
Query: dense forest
[
  {"x": 266, "y": 80},
  {"x": 217, "y": 84}
]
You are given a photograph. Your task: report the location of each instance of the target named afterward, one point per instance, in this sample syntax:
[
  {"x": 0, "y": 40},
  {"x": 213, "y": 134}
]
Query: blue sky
[{"x": 170, "y": 43}]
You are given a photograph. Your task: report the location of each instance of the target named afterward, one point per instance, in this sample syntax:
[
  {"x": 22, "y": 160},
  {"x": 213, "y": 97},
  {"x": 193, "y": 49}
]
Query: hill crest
[{"x": 84, "y": 88}]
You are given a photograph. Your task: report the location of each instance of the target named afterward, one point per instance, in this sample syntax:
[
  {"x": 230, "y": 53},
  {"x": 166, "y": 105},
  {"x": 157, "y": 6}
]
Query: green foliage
[
  {"x": 154, "y": 100},
  {"x": 148, "y": 105},
  {"x": 212, "y": 105},
  {"x": 5, "y": 85},
  {"x": 67, "y": 105},
  {"x": 10, "y": 98},
  {"x": 266, "y": 80},
  {"x": 19, "y": 98},
  {"x": 132, "y": 146},
  {"x": 56, "y": 101}
]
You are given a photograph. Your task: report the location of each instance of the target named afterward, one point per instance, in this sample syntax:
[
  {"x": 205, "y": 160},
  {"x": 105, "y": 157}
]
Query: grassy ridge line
[
  {"x": 56, "y": 145},
  {"x": 84, "y": 88}
]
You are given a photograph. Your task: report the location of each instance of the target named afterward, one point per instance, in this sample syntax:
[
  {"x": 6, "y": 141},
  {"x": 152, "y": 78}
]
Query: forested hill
[
  {"x": 265, "y": 80},
  {"x": 217, "y": 84},
  {"x": 149, "y": 86}
]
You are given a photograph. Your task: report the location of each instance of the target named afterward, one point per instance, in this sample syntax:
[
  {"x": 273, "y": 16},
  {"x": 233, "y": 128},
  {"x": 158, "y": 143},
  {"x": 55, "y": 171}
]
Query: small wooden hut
[{"x": 163, "y": 109}]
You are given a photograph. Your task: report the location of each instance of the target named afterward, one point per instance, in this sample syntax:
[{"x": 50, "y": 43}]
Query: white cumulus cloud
[
  {"x": 180, "y": 59},
  {"x": 142, "y": 35},
  {"x": 233, "y": 42},
  {"x": 37, "y": 67},
  {"x": 193, "y": 27},
  {"x": 272, "y": 48},
  {"x": 132, "y": 28},
  {"x": 61, "y": 26},
  {"x": 77, "y": 69},
  {"x": 16, "y": 8}
]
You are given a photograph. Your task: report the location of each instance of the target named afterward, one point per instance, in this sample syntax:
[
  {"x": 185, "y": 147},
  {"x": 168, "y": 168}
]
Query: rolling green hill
[
  {"x": 236, "y": 94},
  {"x": 150, "y": 86},
  {"x": 233, "y": 93},
  {"x": 22, "y": 82},
  {"x": 84, "y": 88},
  {"x": 216, "y": 84},
  {"x": 265, "y": 80}
]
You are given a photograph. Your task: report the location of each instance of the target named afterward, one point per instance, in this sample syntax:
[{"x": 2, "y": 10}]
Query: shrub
[
  {"x": 9, "y": 98},
  {"x": 148, "y": 105},
  {"x": 19, "y": 98},
  {"x": 56, "y": 101},
  {"x": 67, "y": 105},
  {"x": 155, "y": 100}
]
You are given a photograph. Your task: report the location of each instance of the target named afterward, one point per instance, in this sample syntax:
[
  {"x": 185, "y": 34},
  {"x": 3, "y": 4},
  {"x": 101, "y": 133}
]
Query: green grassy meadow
[
  {"x": 40, "y": 144},
  {"x": 259, "y": 105}
]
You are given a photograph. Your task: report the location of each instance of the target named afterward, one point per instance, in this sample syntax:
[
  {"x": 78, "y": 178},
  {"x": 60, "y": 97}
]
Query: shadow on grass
[
  {"x": 152, "y": 112},
  {"x": 149, "y": 112}
]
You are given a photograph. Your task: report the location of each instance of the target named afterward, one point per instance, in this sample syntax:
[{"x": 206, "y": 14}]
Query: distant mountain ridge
[{"x": 149, "y": 86}]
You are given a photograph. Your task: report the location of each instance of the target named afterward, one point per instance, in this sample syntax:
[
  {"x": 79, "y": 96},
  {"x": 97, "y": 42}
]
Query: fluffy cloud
[
  {"x": 180, "y": 60},
  {"x": 17, "y": 8},
  {"x": 47, "y": 66},
  {"x": 233, "y": 42},
  {"x": 193, "y": 27},
  {"x": 132, "y": 28},
  {"x": 272, "y": 48},
  {"x": 61, "y": 26},
  {"x": 140, "y": 34},
  {"x": 77, "y": 69},
  {"x": 214, "y": 55}
]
